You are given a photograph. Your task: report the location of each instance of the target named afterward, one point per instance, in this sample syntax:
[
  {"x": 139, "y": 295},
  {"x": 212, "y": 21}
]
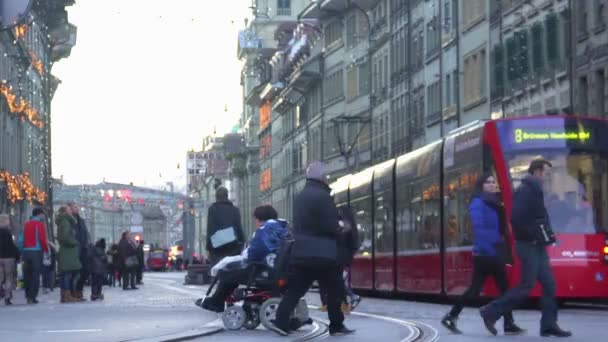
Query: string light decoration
[
  {"x": 36, "y": 63},
  {"x": 21, "y": 31},
  {"x": 20, "y": 107},
  {"x": 20, "y": 187}
]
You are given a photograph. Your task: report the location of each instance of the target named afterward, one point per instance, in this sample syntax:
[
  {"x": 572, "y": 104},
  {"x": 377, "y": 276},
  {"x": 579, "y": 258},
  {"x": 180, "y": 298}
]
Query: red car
[{"x": 157, "y": 260}]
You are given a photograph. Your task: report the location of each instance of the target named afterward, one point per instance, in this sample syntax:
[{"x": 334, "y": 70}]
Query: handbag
[
  {"x": 314, "y": 251},
  {"x": 223, "y": 237},
  {"x": 131, "y": 261}
]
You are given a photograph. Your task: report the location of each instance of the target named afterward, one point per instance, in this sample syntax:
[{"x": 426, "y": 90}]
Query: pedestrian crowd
[
  {"x": 325, "y": 240},
  {"x": 74, "y": 257}
]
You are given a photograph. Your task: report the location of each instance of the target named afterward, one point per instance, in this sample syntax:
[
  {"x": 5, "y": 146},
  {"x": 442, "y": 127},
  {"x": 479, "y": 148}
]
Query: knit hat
[{"x": 318, "y": 171}]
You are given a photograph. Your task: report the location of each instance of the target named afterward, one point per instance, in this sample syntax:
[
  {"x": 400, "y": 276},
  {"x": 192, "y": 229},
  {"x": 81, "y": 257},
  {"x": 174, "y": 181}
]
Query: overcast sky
[{"x": 146, "y": 81}]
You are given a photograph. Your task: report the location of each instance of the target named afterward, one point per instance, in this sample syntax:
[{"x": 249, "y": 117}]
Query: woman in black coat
[
  {"x": 128, "y": 256},
  {"x": 9, "y": 254}
]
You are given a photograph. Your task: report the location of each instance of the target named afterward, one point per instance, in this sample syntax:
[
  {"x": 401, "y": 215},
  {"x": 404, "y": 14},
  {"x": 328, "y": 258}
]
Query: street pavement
[{"x": 163, "y": 306}]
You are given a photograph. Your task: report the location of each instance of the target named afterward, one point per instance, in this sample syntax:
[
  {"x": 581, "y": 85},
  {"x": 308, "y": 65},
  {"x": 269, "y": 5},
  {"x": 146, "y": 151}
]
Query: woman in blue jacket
[{"x": 488, "y": 251}]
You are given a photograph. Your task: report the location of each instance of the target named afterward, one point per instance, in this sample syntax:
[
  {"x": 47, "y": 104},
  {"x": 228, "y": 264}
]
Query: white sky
[{"x": 146, "y": 81}]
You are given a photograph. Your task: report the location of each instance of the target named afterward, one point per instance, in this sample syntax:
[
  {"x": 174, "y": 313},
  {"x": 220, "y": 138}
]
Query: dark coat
[
  {"x": 82, "y": 234},
  {"x": 314, "y": 211},
  {"x": 528, "y": 209},
  {"x": 125, "y": 250},
  {"x": 99, "y": 261},
  {"x": 223, "y": 215},
  {"x": 69, "y": 248},
  {"x": 8, "y": 249},
  {"x": 140, "y": 255}
]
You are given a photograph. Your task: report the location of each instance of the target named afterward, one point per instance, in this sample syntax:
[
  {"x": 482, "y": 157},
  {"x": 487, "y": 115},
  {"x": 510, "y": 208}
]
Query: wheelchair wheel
[
  {"x": 268, "y": 311},
  {"x": 234, "y": 317}
]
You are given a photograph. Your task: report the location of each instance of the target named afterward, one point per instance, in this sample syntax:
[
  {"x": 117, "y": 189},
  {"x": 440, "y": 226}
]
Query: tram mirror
[{"x": 13, "y": 12}]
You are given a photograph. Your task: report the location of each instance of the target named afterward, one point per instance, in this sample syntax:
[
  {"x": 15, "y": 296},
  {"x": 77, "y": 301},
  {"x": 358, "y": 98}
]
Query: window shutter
[{"x": 551, "y": 24}]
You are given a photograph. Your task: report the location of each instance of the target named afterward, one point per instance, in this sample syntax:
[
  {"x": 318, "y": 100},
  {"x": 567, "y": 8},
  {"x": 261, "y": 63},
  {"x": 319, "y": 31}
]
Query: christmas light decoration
[
  {"x": 21, "y": 31},
  {"x": 36, "y": 63},
  {"x": 20, "y": 107},
  {"x": 20, "y": 187}
]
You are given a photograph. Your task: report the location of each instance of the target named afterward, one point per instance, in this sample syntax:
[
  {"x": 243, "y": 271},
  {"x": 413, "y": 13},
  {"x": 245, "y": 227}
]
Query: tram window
[
  {"x": 458, "y": 190},
  {"x": 362, "y": 208},
  {"x": 405, "y": 220},
  {"x": 383, "y": 221},
  {"x": 576, "y": 189}
]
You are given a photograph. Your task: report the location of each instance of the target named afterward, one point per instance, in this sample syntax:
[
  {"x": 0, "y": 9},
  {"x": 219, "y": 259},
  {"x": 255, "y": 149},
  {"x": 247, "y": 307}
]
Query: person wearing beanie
[
  {"x": 316, "y": 216},
  {"x": 9, "y": 253}
]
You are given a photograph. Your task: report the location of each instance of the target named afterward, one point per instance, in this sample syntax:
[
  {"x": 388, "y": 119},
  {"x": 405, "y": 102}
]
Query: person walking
[
  {"x": 33, "y": 243},
  {"x": 224, "y": 230},
  {"x": 489, "y": 251},
  {"x": 529, "y": 219},
  {"x": 82, "y": 235},
  {"x": 68, "y": 258},
  {"x": 315, "y": 224},
  {"x": 99, "y": 269},
  {"x": 9, "y": 254},
  {"x": 114, "y": 265},
  {"x": 128, "y": 256},
  {"x": 141, "y": 263}
]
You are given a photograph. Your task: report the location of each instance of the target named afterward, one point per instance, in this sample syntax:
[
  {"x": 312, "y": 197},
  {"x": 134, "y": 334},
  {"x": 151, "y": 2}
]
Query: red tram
[{"x": 415, "y": 232}]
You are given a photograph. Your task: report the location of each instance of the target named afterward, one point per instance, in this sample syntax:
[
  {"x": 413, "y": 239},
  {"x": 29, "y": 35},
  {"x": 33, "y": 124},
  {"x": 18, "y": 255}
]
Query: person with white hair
[{"x": 9, "y": 253}]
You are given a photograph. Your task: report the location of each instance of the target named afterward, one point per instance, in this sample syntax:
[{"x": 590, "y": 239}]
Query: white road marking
[{"x": 70, "y": 331}]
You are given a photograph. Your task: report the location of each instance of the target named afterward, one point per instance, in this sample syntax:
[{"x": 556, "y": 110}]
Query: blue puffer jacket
[
  {"x": 486, "y": 227},
  {"x": 266, "y": 240}
]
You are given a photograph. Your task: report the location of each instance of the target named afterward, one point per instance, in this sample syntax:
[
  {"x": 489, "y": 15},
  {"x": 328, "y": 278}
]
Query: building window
[
  {"x": 434, "y": 103},
  {"x": 498, "y": 71},
  {"x": 448, "y": 90},
  {"x": 473, "y": 10},
  {"x": 600, "y": 20},
  {"x": 334, "y": 86},
  {"x": 351, "y": 84},
  {"x": 581, "y": 9},
  {"x": 351, "y": 31},
  {"x": 363, "y": 78},
  {"x": 433, "y": 36},
  {"x": 583, "y": 96},
  {"x": 333, "y": 33},
  {"x": 474, "y": 77},
  {"x": 537, "y": 48},
  {"x": 600, "y": 92},
  {"x": 523, "y": 48},
  {"x": 552, "y": 30},
  {"x": 284, "y": 7}
]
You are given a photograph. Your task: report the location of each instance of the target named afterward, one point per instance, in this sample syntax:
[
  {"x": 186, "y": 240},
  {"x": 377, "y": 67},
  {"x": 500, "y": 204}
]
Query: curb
[{"x": 207, "y": 330}]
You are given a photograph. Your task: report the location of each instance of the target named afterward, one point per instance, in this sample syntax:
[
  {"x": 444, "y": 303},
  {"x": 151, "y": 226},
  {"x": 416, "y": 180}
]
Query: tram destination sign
[{"x": 546, "y": 133}]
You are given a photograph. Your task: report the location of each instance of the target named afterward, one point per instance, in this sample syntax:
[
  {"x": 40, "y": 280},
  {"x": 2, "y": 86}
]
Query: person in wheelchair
[{"x": 266, "y": 240}]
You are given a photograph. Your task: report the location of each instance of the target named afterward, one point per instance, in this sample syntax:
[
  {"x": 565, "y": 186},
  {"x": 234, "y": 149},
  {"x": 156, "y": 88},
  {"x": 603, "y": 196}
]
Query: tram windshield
[{"x": 576, "y": 188}]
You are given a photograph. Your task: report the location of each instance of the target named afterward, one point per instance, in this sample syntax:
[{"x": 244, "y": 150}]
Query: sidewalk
[{"x": 156, "y": 309}]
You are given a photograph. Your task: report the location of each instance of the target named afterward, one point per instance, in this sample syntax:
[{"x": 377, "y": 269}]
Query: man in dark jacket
[
  {"x": 528, "y": 210},
  {"x": 8, "y": 256},
  {"x": 141, "y": 261},
  {"x": 223, "y": 214},
  {"x": 314, "y": 214},
  {"x": 82, "y": 235}
]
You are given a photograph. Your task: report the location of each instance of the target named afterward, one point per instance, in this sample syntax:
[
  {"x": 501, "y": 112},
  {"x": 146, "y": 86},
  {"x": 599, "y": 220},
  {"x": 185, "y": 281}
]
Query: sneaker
[
  {"x": 512, "y": 329},
  {"x": 488, "y": 321},
  {"x": 449, "y": 322},
  {"x": 341, "y": 331},
  {"x": 276, "y": 329},
  {"x": 555, "y": 331},
  {"x": 355, "y": 302}
]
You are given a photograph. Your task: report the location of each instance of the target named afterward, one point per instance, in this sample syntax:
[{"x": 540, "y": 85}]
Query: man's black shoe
[
  {"x": 276, "y": 329},
  {"x": 449, "y": 323},
  {"x": 207, "y": 304},
  {"x": 555, "y": 331},
  {"x": 488, "y": 321},
  {"x": 341, "y": 331}
]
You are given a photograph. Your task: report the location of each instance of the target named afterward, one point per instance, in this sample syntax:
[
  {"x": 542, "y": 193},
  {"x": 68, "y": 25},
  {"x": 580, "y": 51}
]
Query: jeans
[
  {"x": 32, "y": 267},
  {"x": 7, "y": 276},
  {"x": 299, "y": 281},
  {"x": 229, "y": 282},
  {"x": 484, "y": 267},
  {"x": 97, "y": 281},
  {"x": 128, "y": 277},
  {"x": 67, "y": 280},
  {"x": 535, "y": 266}
]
